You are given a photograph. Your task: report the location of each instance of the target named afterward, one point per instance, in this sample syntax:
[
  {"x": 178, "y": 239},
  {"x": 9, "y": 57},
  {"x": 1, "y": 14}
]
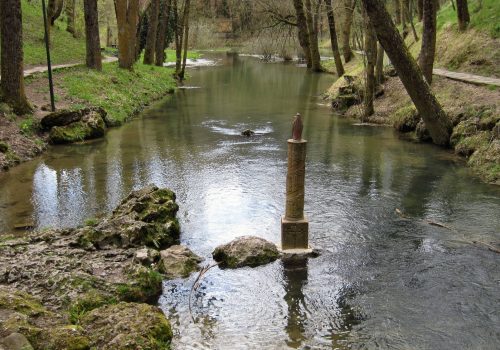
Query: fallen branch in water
[
  {"x": 439, "y": 224},
  {"x": 197, "y": 283}
]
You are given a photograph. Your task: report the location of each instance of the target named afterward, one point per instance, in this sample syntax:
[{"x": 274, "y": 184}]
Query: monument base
[{"x": 294, "y": 234}]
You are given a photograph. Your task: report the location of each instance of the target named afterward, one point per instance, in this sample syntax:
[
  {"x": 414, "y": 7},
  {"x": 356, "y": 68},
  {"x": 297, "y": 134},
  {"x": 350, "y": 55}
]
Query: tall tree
[
  {"x": 463, "y": 14},
  {"x": 404, "y": 16},
  {"x": 93, "y": 44},
  {"x": 313, "y": 37},
  {"x": 11, "y": 36},
  {"x": 54, "y": 9},
  {"x": 185, "y": 24},
  {"x": 420, "y": 9},
  {"x": 302, "y": 31},
  {"x": 427, "y": 52},
  {"x": 69, "y": 11},
  {"x": 333, "y": 38},
  {"x": 178, "y": 35},
  {"x": 379, "y": 68},
  {"x": 346, "y": 29},
  {"x": 162, "y": 32},
  {"x": 397, "y": 11},
  {"x": 370, "y": 46},
  {"x": 154, "y": 13},
  {"x": 410, "y": 74},
  {"x": 127, "y": 18}
]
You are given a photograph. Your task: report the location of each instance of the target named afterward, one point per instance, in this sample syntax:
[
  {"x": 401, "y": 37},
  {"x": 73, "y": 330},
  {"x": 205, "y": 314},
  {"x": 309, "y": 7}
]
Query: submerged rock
[
  {"x": 126, "y": 326},
  {"x": 245, "y": 251},
  {"x": 178, "y": 261},
  {"x": 248, "y": 133},
  {"x": 144, "y": 218},
  {"x": 422, "y": 132}
]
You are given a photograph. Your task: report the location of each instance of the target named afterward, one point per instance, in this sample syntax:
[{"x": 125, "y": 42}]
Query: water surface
[{"x": 382, "y": 281}]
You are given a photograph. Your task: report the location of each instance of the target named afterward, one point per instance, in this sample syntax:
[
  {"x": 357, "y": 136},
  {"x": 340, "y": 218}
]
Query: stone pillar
[{"x": 294, "y": 225}]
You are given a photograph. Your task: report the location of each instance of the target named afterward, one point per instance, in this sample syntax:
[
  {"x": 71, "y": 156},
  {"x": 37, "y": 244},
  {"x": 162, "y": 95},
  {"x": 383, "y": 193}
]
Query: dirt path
[
  {"x": 466, "y": 77},
  {"x": 41, "y": 69}
]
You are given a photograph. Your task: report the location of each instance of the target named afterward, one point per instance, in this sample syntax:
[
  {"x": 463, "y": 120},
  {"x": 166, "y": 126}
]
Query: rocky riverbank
[{"x": 89, "y": 287}]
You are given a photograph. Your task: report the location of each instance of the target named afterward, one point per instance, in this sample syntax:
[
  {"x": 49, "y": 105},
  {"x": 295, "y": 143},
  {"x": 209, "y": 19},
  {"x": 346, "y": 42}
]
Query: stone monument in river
[{"x": 294, "y": 224}]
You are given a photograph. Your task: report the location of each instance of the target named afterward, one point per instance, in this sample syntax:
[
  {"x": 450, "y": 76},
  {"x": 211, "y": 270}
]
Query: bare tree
[
  {"x": 127, "y": 17},
  {"x": 333, "y": 38},
  {"x": 12, "y": 81},
  {"x": 346, "y": 30},
  {"x": 187, "y": 5},
  {"x": 154, "y": 13},
  {"x": 162, "y": 33},
  {"x": 302, "y": 31},
  {"x": 371, "y": 58},
  {"x": 379, "y": 68},
  {"x": 410, "y": 74},
  {"x": 463, "y": 14},
  {"x": 93, "y": 44},
  {"x": 313, "y": 36},
  {"x": 427, "y": 52}
]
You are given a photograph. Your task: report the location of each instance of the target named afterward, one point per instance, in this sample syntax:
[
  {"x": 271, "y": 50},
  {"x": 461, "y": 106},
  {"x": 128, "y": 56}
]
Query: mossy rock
[
  {"x": 178, "y": 261},
  {"x": 245, "y": 251},
  {"x": 468, "y": 145},
  {"x": 486, "y": 161},
  {"x": 144, "y": 285},
  {"x": 91, "y": 126},
  {"x": 145, "y": 218},
  {"x": 20, "y": 302},
  {"x": 465, "y": 128},
  {"x": 422, "y": 133},
  {"x": 405, "y": 119},
  {"x": 87, "y": 302},
  {"x": 4, "y": 147},
  {"x": 66, "y": 337},
  {"x": 128, "y": 326}
]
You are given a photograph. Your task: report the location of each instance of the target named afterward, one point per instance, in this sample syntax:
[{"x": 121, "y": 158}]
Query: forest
[{"x": 154, "y": 152}]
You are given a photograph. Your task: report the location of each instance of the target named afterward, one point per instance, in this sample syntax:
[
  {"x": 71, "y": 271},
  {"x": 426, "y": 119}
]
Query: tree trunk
[
  {"x": 185, "y": 25},
  {"x": 420, "y": 10},
  {"x": 69, "y": 10},
  {"x": 178, "y": 33},
  {"x": 302, "y": 31},
  {"x": 397, "y": 11},
  {"x": 12, "y": 81},
  {"x": 463, "y": 14},
  {"x": 93, "y": 44},
  {"x": 54, "y": 10},
  {"x": 162, "y": 33},
  {"x": 370, "y": 45},
  {"x": 127, "y": 18},
  {"x": 154, "y": 13},
  {"x": 410, "y": 19},
  {"x": 333, "y": 38},
  {"x": 427, "y": 52},
  {"x": 313, "y": 37},
  {"x": 346, "y": 30},
  {"x": 404, "y": 17},
  {"x": 410, "y": 74},
  {"x": 379, "y": 68}
]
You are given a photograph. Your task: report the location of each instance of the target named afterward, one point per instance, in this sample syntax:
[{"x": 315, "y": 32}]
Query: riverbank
[
  {"x": 89, "y": 287},
  {"x": 121, "y": 93}
]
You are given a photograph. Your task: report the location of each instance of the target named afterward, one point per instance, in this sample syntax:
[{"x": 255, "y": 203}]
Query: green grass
[
  {"x": 64, "y": 49},
  {"x": 191, "y": 55},
  {"x": 119, "y": 91},
  {"x": 485, "y": 17}
]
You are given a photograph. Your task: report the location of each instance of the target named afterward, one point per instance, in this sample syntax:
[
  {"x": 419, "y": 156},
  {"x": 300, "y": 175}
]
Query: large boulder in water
[
  {"x": 146, "y": 217},
  {"x": 245, "y": 251},
  {"x": 127, "y": 326},
  {"x": 178, "y": 261}
]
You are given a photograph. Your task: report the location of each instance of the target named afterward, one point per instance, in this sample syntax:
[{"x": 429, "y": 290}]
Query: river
[{"x": 382, "y": 281}]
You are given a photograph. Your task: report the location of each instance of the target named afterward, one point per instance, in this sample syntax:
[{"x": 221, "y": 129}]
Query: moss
[
  {"x": 468, "y": 145},
  {"x": 464, "y": 129},
  {"x": 68, "y": 337},
  {"x": 69, "y": 134},
  {"x": 486, "y": 161},
  {"x": 4, "y": 147},
  {"x": 405, "y": 119},
  {"x": 145, "y": 285},
  {"x": 21, "y": 302},
  {"x": 89, "y": 301},
  {"x": 128, "y": 326}
]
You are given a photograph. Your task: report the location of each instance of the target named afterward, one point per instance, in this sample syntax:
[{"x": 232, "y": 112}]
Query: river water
[{"x": 382, "y": 280}]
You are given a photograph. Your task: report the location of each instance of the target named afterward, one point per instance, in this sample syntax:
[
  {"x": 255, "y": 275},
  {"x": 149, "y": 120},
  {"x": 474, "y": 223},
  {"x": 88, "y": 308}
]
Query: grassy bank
[
  {"x": 64, "y": 47},
  {"x": 473, "y": 110}
]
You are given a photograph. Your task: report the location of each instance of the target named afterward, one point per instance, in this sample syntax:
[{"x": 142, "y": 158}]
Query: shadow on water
[{"x": 382, "y": 281}]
